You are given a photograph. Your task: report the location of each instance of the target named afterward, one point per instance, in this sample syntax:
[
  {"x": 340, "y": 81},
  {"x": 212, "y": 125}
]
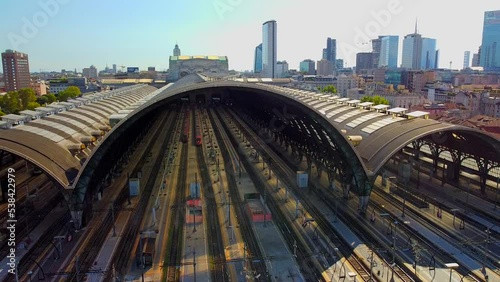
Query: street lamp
[
  {"x": 394, "y": 241},
  {"x": 451, "y": 266},
  {"x": 496, "y": 191}
]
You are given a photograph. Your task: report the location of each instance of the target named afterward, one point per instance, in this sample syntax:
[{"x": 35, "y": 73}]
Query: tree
[
  {"x": 42, "y": 100},
  {"x": 2, "y": 113},
  {"x": 32, "y": 105},
  {"x": 70, "y": 92},
  {"x": 26, "y": 95},
  {"x": 10, "y": 103},
  {"x": 377, "y": 100},
  {"x": 51, "y": 98},
  {"x": 329, "y": 89}
]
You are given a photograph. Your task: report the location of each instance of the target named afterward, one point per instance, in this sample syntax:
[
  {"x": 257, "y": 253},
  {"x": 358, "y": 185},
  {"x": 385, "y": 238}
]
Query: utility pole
[
  {"x": 265, "y": 211},
  {"x": 194, "y": 263},
  {"x": 113, "y": 219},
  {"x": 229, "y": 210}
]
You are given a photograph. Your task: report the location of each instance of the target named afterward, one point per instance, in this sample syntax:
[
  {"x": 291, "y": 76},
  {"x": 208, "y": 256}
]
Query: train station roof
[
  {"x": 65, "y": 133},
  {"x": 379, "y": 130}
]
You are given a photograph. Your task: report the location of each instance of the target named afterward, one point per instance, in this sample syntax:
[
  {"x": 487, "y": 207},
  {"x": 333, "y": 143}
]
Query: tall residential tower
[
  {"x": 16, "y": 70},
  {"x": 269, "y": 49}
]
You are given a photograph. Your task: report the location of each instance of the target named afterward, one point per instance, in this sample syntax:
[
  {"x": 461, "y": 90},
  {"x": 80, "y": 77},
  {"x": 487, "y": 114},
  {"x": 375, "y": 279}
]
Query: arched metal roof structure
[
  {"x": 378, "y": 133},
  {"x": 382, "y": 132},
  {"x": 59, "y": 143}
]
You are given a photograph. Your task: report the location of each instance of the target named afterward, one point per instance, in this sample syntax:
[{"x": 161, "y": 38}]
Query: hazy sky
[{"x": 68, "y": 34}]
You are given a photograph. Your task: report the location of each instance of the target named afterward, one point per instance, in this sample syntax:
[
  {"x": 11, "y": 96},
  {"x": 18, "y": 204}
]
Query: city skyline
[{"x": 57, "y": 35}]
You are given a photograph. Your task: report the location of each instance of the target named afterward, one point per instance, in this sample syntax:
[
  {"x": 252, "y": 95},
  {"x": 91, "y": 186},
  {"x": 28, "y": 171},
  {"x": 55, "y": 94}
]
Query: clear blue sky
[{"x": 75, "y": 34}]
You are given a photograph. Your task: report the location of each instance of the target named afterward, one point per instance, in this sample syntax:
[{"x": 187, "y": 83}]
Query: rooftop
[{"x": 211, "y": 57}]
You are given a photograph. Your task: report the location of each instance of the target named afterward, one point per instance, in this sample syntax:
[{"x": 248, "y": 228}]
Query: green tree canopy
[
  {"x": 9, "y": 103},
  {"x": 42, "y": 100},
  {"x": 329, "y": 89},
  {"x": 377, "y": 100},
  {"x": 70, "y": 92},
  {"x": 2, "y": 113},
  {"x": 32, "y": 105},
  {"x": 51, "y": 98},
  {"x": 26, "y": 95}
]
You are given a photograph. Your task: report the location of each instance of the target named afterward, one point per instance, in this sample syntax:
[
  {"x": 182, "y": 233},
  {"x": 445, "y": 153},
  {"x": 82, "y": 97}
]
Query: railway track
[
  {"x": 131, "y": 230},
  {"x": 309, "y": 267},
  {"x": 431, "y": 247},
  {"x": 285, "y": 173},
  {"x": 255, "y": 256},
  {"x": 173, "y": 257},
  {"x": 99, "y": 230},
  {"x": 442, "y": 203},
  {"x": 214, "y": 234}
]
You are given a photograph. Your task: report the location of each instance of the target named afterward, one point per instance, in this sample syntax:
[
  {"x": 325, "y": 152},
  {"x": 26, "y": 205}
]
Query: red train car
[
  {"x": 197, "y": 128},
  {"x": 186, "y": 127}
]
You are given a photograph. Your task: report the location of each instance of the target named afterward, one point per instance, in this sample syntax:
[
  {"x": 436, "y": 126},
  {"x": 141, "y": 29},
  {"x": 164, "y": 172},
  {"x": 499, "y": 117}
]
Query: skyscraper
[
  {"x": 428, "y": 57},
  {"x": 376, "y": 46},
  {"x": 330, "y": 53},
  {"x": 257, "y": 63},
  {"x": 412, "y": 51},
  {"x": 389, "y": 46},
  {"x": 16, "y": 70},
  {"x": 269, "y": 49},
  {"x": 177, "y": 51},
  {"x": 466, "y": 59},
  {"x": 490, "y": 48}
]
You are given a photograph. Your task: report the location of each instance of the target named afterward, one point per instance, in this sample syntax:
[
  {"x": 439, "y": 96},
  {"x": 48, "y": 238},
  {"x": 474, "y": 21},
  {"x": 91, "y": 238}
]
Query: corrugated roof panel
[
  {"x": 380, "y": 124},
  {"x": 338, "y": 111},
  {"x": 72, "y": 121},
  {"x": 61, "y": 127},
  {"x": 364, "y": 118},
  {"x": 42, "y": 132},
  {"x": 347, "y": 115}
]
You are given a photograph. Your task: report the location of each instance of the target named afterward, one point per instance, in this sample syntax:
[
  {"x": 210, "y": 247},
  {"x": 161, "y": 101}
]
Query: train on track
[
  {"x": 147, "y": 248},
  {"x": 186, "y": 126}
]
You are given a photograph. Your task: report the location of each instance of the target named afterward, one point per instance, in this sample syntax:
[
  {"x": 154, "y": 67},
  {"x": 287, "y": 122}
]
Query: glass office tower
[
  {"x": 269, "y": 49},
  {"x": 490, "y": 48}
]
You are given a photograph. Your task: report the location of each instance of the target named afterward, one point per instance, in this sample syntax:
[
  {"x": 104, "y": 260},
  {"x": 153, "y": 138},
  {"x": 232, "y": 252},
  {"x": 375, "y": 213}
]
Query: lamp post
[
  {"x": 394, "y": 241},
  {"x": 496, "y": 191},
  {"x": 451, "y": 266},
  {"x": 228, "y": 210}
]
